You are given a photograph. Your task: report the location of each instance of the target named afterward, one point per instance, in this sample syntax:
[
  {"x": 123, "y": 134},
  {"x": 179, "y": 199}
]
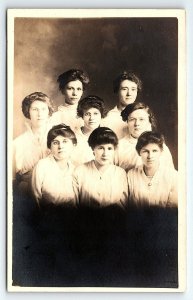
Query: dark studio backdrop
[{"x": 45, "y": 48}]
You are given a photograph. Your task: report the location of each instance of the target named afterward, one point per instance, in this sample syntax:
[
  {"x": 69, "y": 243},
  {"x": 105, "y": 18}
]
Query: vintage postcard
[{"x": 96, "y": 150}]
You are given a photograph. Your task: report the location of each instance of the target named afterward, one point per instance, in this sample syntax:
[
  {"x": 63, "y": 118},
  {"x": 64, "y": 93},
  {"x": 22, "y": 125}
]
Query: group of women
[{"x": 82, "y": 156}]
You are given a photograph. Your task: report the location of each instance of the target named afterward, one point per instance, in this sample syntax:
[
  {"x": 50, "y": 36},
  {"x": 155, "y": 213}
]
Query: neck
[
  {"x": 38, "y": 130},
  {"x": 71, "y": 105},
  {"x": 63, "y": 163},
  {"x": 134, "y": 139},
  {"x": 101, "y": 168},
  {"x": 86, "y": 130},
  {"x": 120, "y": 107},
  {"x": 150, "y": 171}
]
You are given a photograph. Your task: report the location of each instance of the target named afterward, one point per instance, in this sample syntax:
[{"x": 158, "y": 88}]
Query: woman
[
  {"x": 72, "y": 84},
  {"x": 52, "y": 176},
  {"x": 153, "y": 183},
  {"x": 139, "y": 118},
  {"x": 31, "y": 146},
  {"x": 127, "y": 86},
  {"x": 99, "y": 183},
  {"x": 91, "y": 109}
]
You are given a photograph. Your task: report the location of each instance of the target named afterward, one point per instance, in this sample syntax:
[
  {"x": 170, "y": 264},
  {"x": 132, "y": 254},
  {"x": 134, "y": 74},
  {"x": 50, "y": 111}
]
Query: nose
[
  {"x": 74, "y": 92},
  {"x": 60, "y": 145},
  {"x": 39, "y": 112},
  {"x": 128, "y": 92},
  {"x": 136, "y": 122},
  {"x": 105, "y": 152},
  {"x": 149, "y": 155}
]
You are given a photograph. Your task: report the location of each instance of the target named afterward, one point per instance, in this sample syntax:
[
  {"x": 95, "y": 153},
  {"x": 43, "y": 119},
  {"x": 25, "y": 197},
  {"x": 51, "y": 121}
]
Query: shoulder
[
  {"x": 134, "y": 171},
  {"x": 42, "y": 163},
  {"x": 21, "y": 138},
  {"x": 119, "y": 170},
  {"x": 84, "y": 167}
]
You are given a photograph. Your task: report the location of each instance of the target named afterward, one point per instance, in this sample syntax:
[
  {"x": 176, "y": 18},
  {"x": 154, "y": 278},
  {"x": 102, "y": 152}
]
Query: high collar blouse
[
  {"x": 67, "y": 114},
  {"x": 160, "y": 190},
  {"x": 51, "y": 184},
  {"x": 94, "y": 189}
]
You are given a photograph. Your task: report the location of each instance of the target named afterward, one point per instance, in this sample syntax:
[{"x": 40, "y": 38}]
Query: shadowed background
[{"x": 45, "y": 48}]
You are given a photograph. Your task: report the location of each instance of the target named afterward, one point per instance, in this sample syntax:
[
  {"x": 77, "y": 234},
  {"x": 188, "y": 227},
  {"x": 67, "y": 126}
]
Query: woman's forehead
[
  {"x": 60, "y": 137},
  {"x": 139, "y": 112},
  {"x": 151, "y": 146},
  {"x": 38, "y": 103}
]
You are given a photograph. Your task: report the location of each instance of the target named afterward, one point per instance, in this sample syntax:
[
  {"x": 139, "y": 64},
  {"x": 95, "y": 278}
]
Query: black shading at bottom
[{"x": 65, "y": 247}]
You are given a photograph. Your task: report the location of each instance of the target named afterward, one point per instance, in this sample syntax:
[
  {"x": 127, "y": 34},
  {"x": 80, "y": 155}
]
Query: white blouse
[
  {"x": 161, "y": 190},
  {"x": 95, "y": 189},
  {"x": 82, "y": 152},
  {"x": 114, "y": 121},
  {"x": 128, "y": 158},
  {"x": 28, "y": 150},
  {"x": 51, "y": 184},
  {"x": 67, "y": 114}
]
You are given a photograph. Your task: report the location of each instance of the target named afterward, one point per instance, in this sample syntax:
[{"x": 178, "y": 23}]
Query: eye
[
  {"x": 131, "y": 119},
  {"x": 79, "y": 89},
  {"x": 55, "y": 142}
]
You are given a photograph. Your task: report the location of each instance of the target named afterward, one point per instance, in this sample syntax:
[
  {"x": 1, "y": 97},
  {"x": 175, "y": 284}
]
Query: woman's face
[
  {"x": 138, "y": 122},
  {"x": 92, "y": 118},
  {"x": 39, "y": 113},
  {"x": 61, "y": 147},
  {"x": 104, "y": 154},
  {"x": 127, "y": 92},
  {"x": 73, "y": 92},
  {"x": 150, "y": 155}
]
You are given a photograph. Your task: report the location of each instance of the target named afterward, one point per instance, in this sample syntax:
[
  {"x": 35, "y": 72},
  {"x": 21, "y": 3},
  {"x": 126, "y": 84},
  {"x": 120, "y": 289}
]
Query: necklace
[{"x": 150, "y": 180}]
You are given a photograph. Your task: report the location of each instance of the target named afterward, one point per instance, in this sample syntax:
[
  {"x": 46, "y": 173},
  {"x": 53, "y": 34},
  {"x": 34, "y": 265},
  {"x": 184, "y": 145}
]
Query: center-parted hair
[
  {"x": 36, "y": 96},
  {"x": 126, "y": 75},
  {"x": 139, "y": 105},
  {"x": 72, "y": 75},
  {"x": 91, "y": 102},
  {"x": 102, "y": 135},
  {"x": 150, "y": 137},
  {"x": 62, "y": 130}
]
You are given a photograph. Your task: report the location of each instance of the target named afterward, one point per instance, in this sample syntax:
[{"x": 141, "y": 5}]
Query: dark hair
[
  {"x": 126, "y": 75},
  {"x": 102, "y": 135},
  {"x": 62, "y": 130},
  {"x": 149, "y": 137},
  {"x": 139, "y": 105},
  {"x": 72, "y": 75},
  {"x": 36, "y": 96},
  {"x": 89, "y": 102}
]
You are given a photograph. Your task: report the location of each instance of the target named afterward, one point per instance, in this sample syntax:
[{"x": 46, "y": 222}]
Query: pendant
[{"x": 149, "y": 184}]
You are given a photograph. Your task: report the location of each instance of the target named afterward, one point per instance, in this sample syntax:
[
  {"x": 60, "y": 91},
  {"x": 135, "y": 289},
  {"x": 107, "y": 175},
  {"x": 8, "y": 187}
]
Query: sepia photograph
[{"x": 96, "y": 150}]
